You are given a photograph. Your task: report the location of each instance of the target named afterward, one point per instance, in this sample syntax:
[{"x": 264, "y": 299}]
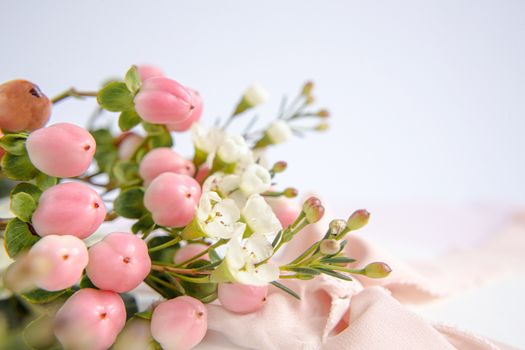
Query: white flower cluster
[{"x": 232, "y": 207}]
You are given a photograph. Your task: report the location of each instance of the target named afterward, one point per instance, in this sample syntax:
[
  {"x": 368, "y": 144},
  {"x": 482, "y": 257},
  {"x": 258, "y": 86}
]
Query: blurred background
[{"x": 427, "y": 99}]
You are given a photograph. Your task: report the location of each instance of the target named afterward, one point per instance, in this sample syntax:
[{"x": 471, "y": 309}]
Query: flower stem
[
  {"x": 204, "y": 252},
  {"x": 72, "y": 92},
  {"x": 165, "y": 245}
]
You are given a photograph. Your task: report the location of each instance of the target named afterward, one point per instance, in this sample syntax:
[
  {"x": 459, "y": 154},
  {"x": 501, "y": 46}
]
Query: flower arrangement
[{"x": 206, "y": 229}]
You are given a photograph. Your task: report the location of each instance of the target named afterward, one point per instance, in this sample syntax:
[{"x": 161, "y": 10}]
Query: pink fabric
[{"x": 365, "y": 313}]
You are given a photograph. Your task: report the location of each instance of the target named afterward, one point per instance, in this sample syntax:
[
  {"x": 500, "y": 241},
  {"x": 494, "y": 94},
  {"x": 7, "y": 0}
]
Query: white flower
[
  {"x": 255, "y": 179},
  {"x": 239, "y": 264},
  {"x": 232, "y": 149},
  {"x": 219, "y": 218},
  {"x": 260, "y": 217},
  {"x": 279, "y": 131},
  {"x": 204, "y": 139},
  {"x": 255, "y": 95},
  {"x": 225, "y": 184}
]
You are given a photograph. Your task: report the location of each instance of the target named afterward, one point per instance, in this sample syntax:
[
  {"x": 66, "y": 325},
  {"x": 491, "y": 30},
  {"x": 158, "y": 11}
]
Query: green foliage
[
  {"x": 286, "y": 289},
  {"x": 22, "y": 205},
  {"x": 130, "y": 204},
  {"x": 40, "y": 296},
  {"x": 131, "y": 305},
  {"x": 14, "y": 143},
  {"x": 158, "y": 135},
  {"x": 126, "y": 173},
  {"x": 25, "y": 187},
  {"x": 147, "y": 314},
  {"x": 132, "y": 79},
  {"x": 128, "y": 119},
  {"x": 115, "y": 97},
  {"x": 107, "y": 152},
  {"x": 18, "y": 237},
  {"x": 85, "y": 282},
  {"x": 44, "y": 181},
  {"x": 144, "y": 225},
  {"x": 164, "y": 255},
  {"x": 18, "y": 167},
  {"x": 205, "y": 292}
]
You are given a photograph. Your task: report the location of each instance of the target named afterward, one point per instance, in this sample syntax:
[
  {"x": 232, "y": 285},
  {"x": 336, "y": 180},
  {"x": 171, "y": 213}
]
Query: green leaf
[
  {"x": 18, "y": 167},
  {"x": 145, "y": 224},
  {"x": 166, "y": 254},
  {"x": 14, "y": 143},
  {"x": 338, "y": 260},
  {"x": 214, "y": 256},
  {"x": 305, "y": 270},
  {"x": 286, "y": 289},
  {"x": 115, "y": 97},
  {"x": 127, "y": 173},
  {"x": 131, "y": 305},
  {"x": 277, "y": 238},
  {"x": 107, "y": 152},
  {"x": 158, "y": 135},
  {"x": 22, "y": 205},
  {"x": 132, "y": 79},
  {"x": 130, "y": 203},
  {"x": 28, "y": 188},
  {"x": 18, "y": 237},
  {"x": 85, "y": 282},
  {"x": 128, "y": 119},
  {"x": 45, "y": 181},
  {"x": 335, "y": 274},
  {"x": 146, "y": 315},
  {"x": 40, "y": 296},
  {"x": 38, "y": 334}
]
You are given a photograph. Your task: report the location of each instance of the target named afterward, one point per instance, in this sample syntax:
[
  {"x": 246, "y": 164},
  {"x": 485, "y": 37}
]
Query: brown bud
[
  {"x": 279, "y": 167},
  {"x": 358, "y": 219},
  {"x": 377, "y": 270},
  {"x": 323, "y": 113},
  {"x": 290, "y": 192},
  {"x": 307, "y": 88},
  {"x": 23, "y": 106}
]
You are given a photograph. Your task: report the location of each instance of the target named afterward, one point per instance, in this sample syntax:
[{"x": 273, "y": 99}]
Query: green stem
[
  {"x": 152, "y": 284},
  {"x": 339, "y": 268},
  {"x": 204, "y": 252},
  {"x": 72, "y": 92},
  {"x": 165, "y": 245},
  {"x": 164, "y": 283},
  {"x": 309, "y": 251}
]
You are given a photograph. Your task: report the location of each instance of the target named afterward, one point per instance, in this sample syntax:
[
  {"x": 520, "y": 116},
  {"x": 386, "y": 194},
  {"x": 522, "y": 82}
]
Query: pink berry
[
  {"x": 67, "y": 256},
  {"x": 286, "y": 210},
  {"x": 189, "y": 251},
  {"x": 119, "y": 262},
  {"x": 164, "y": 160},
  {"x": 163, "y": 101},
  {"x": 91, "y": 319},
  {"x": 242, "y": 298},
  {"x": 194, "y": 116},
  {"x": 69, "y": 209},
  {"x": 62, "y": 150},
  {"x": 180, "y": 323},
  {"x": 129, "y": 142},
  {"x": 147, "y": 71},
  {"x": 172, "y": 199}
]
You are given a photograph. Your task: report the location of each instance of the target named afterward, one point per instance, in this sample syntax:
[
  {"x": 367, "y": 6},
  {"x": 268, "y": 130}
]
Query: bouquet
[{"x": 206, "y": 229}]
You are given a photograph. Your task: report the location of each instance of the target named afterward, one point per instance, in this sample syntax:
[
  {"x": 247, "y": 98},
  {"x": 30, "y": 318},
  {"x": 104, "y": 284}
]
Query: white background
[{"x": 427, "y": 97}]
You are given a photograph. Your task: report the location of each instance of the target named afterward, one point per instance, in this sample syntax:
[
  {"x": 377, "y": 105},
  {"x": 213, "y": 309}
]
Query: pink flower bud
[
  {"x": 119, "y": 262},
  {"x": 69, "y": 209},
  {"x": 194, "y": 116},
  {"x": 358, "y": 219},
  {"x": 189, "y": 251},
  {"x": 147, "y": 71},
  {"x": 61, "y": 150},
  {"x": 128, "y": 144},
  {"x": 313, "y": 210},
  {"x": 164, "y": 160},
  {"x": 172, "y": 199},
  {"x": 163, "y": 101},
  {"x": 66, "y": 258},
  {"x": 91, "y": 319},
  {"x": 180, "y": 323},
  {"x": 242, "y": 298},
  {"x": 202, "y": 173}
]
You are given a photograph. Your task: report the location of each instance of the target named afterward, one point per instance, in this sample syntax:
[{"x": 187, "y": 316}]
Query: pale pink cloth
[{"x": 377, "y": 317}]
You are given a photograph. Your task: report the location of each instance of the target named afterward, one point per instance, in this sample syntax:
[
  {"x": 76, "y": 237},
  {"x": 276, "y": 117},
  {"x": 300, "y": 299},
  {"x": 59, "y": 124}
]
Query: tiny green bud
[
  {"x": 377, "y": 270},
  {"x": 279, "y": 167},
  {"x": 307, "y": 88},
  {"x": 329, "y": 247},
  {"x": 337, "y": 226},
  {"x": 323, "y": 113},
  {"x": 290, "y": 192},
  {"x": 358, "y": 219}
]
